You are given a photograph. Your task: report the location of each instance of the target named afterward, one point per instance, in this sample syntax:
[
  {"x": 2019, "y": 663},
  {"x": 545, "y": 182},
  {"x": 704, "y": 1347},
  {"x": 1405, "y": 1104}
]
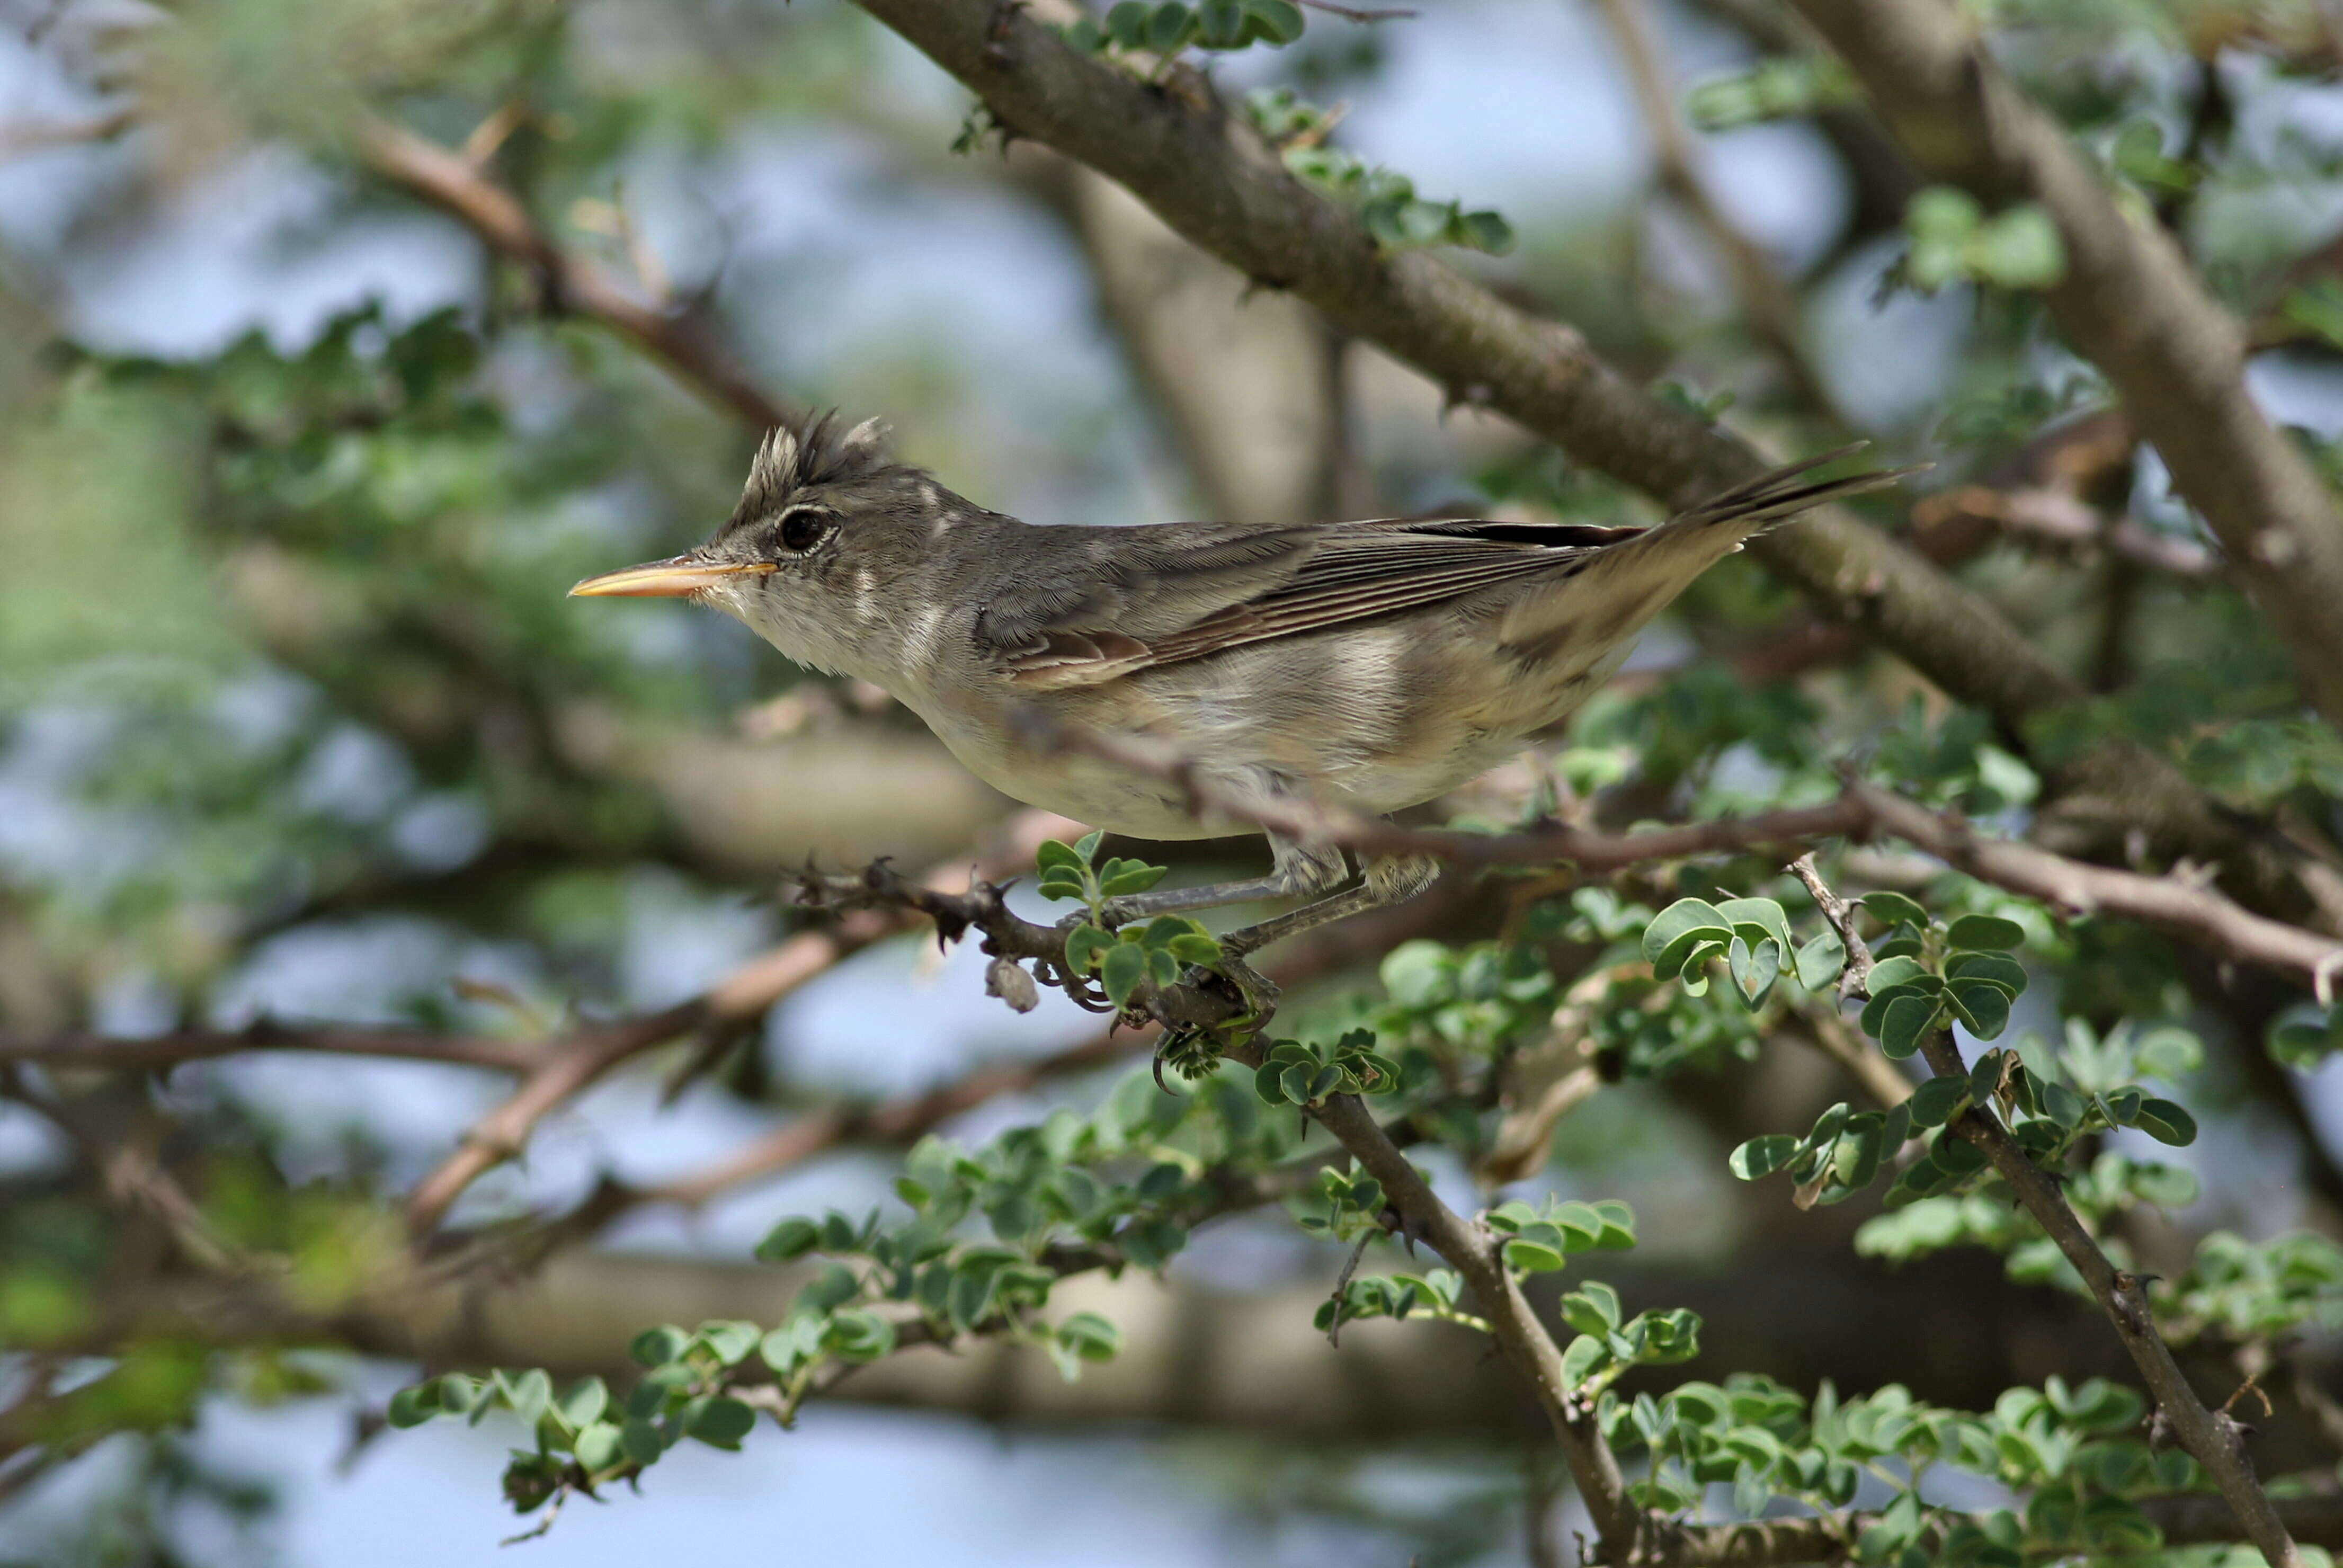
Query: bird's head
[{"x": 821, "y": 558}]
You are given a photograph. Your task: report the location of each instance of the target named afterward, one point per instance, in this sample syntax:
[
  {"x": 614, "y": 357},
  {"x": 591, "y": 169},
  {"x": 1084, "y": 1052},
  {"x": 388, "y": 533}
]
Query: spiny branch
[
  {"x": 2182, "y": 901},
  {"x": 2214, "y": 1441}
]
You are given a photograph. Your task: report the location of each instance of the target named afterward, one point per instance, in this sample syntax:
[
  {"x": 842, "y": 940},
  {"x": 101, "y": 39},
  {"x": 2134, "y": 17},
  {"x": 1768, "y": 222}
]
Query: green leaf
[
  {"x": 1054, "y": 856},
  {"x": 1592, "y": 1308},
  {"x": 1192, "y": 948},
  {"x": 2060, "y": 1103},
  {"x": 1676, "y": 930},
  {"x": 528, "y": 1395},
  {"x": 1764, "y": 1155},
  {"x": 722, "y": 1422},
  {"x": 832, "y": 1288},
  {"x": 1956, "y": 1156},
  {"x": 1755, "y": 919},
  {"x": 2166, "y": 1122},
  {"x": 1906, "y": 1022},
  {"x": 1486, "y": 231},
  {"x": 2020, "y": 249},
  {"x": 855, "y": 1335},
  {"x": 597, "y": 1447},
  {"x": 1056, "y": 887},
  {"x": 1267, "y": 1082},
  {"x": 1822, "y": 961},
  {"x": 639, "y": 1439},
  {"x": 1889, "y": 973},
  {"x": 1125, "y": 967},
  {"x": 792, "y": 1238},
  {"x": 1581, "y": 1226},
  {"x": 656, "y": 1347},
  {"x": 1825, "y": 1130},
  {"x": 1891, "y": 908},
  {"x": 1992, "y": 968},
  {"x": 1753, "y": 972},
  {"x": 1980, "y": 1004},
  {"x": 1126, "y": 24},
  {"x": 1534, "y": 1257},
  {"x": 1086, "y": 945},
  {"x": 1168, "y": 27},
  {"x": 1280, "y": 21},
  {"x": 1089, "y": 1336},
  {"x": 1985, "y": 933},
  {"x": 1855, "y": 1160},
  {"x": 1120, "y": 879},
  {"x": 585, "y": 1403},
  {"x": 413, "y": 1406},
  {"x": 1086, "y": 847}
]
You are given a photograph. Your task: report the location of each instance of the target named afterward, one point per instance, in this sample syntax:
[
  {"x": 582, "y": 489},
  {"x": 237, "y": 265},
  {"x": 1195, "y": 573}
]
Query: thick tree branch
[
  {"x": 2129, "y": 301},
  {"x": 1210, "y": 177}
]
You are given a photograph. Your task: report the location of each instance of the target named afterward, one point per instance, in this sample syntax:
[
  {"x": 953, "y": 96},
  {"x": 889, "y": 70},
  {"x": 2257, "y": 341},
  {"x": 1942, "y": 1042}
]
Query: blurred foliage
[{"x": 284, "y": 661}]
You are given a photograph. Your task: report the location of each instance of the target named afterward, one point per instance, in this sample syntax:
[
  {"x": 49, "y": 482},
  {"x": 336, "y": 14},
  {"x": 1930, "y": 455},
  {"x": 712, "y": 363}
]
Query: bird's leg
[
  {"x": 1297, "y": 871},
  {"x": 1388, "y": 880}
]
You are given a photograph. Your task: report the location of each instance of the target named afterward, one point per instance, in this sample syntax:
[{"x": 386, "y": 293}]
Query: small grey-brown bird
[{"x": 1366, "y": 665}]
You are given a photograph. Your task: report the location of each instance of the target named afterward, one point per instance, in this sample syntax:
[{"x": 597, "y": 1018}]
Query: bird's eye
[{"x": 802, "y": 530}]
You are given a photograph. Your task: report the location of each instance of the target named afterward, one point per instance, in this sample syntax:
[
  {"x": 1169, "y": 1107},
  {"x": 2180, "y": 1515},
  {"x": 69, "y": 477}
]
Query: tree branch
[
  {"x": 78, "y": 1048},
  {"x": 2181, "y": 901},
  {"x": 2129, "y": 300},
  {"x": 2066, "y": 523},
  {"x": 1768, "y": 303},
  {"x": 455, "y": 184},
  {"x": 1213, "y": 180},
  {"x": 733, "y": 1003},
  {"x": 2215, "y": 1442},
  {"x": 1474, "y": 1252}
]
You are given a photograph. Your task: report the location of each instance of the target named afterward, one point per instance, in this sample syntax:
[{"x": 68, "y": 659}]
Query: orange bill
[{"x": 672, "y": 579}]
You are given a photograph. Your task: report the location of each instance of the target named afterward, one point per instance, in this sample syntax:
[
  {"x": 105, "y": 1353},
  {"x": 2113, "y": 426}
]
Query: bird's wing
[
  {"x": 1110, "y": 606},
  {"x": 1187, "y": 592}
]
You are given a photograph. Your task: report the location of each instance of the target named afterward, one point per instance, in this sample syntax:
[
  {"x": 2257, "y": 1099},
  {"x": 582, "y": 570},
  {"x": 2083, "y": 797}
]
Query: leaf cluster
[{"x": 2070, "y": 1450}]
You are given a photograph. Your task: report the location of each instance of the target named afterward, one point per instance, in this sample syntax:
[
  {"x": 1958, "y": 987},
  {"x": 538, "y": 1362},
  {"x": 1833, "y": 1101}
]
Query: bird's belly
[
  {"x": 1092, "y": 789},
  {"x": 1332, "y": 771}
]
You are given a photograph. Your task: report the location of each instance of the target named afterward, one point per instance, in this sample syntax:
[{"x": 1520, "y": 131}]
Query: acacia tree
[{"x": 1973, "y": 852}]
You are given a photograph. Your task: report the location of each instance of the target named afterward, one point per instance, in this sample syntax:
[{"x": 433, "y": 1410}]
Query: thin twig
[
  {"x": 454, "y": 184},
  {"x": 1359, "y": 14},
  {"x": 38, "y": 137},
  {"x": 79, "y": 1049},
  {"x": 2066, "y": 523},
  {"x": 1768, "y": 303},
  {"x": 2179, "y": 901},
  {"x": 733, "y": 1004}
]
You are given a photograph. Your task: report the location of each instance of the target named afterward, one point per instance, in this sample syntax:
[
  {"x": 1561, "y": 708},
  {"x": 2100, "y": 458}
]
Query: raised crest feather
[{"x": 814, "y": 452}]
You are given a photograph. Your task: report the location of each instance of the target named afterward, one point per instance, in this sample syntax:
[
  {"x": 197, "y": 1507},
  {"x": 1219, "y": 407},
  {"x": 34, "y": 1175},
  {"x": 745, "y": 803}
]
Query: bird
[{"x": 1367, "y": 665}]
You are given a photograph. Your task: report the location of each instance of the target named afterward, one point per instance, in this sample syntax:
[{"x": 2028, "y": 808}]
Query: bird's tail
[
  {"x": 1601, "y": 604},
  {"x": 1782, "y": 493}
]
